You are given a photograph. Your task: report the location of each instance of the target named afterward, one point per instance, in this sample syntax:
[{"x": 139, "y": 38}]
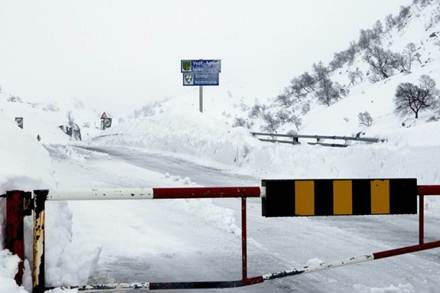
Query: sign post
[
  {"x": 201, "y": 99},
  {"x": 200, "y": 73}
]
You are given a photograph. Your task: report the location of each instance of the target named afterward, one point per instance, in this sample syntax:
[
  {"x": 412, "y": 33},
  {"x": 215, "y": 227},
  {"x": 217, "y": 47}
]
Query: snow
[
  {"x": 16, "y": 170},
  {"x": 176, "y": 126},
  {"x": 168, "y": 143},
  {"x": 8, "y": 269},
  {"x": 400, "y": 288}
]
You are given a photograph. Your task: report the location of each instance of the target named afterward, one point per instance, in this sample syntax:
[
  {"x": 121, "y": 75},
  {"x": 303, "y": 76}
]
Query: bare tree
[
  {"x": 410, "y": 52},
  {"x": 305, "y": 108},
  {"x": 299, "y": 87},
  {"x": 429, "y": 85},
  {"x": 307, "y": 82},
  {"x": 256, "y": 111},
  {"x": 14, "y": 99},
  {"x": 381, "y": 62},
  {"x": 422, "y": 3},
  {"x": 365, "y": 38},
  {"x": 326, "y": 92},
  {"x": 402, "y": 18},
  {"x": 418, "y": 57},
  {"x": 320, "y": 71},
  {"x": 285, "y": 117},
  {"x": 241, "y": 122},
  {"x": 351, "y": 52},
  {"x": 365, "y": 119},
  {"x": 389, "y": 22},
  {"x": 378, "y": 29},
  {"x": 271, "y": 123},
  {"x": 285, "y": 99},
  {"x": 356, "y": 76},
  {"x": 411, "y": 98},
  {"x": 401, "y": 62}
]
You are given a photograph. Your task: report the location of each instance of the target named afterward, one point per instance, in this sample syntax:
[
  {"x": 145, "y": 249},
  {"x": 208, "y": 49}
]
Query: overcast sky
[{"x": 127, "y": 52}]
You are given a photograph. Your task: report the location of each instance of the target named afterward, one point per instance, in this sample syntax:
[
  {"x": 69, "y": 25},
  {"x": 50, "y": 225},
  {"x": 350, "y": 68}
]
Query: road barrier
[
  {"x": 302, "y": 197},
  {"x": 294, "y": 139},
  {"x": 339, "y": 197}
]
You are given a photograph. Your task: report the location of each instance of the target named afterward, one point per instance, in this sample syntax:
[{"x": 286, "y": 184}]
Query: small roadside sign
[
  {"x": 19, "y": 121},
  {"x": 106, "y": 121}
]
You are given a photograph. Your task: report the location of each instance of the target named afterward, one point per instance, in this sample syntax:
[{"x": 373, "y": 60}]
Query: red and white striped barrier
[
  {"x": 18, "y": 205},
  {"x": 151, "y": 193}
]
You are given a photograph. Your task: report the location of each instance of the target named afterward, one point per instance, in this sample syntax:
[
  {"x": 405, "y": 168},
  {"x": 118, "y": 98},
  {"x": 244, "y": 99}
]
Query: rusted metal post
[
  {"x": 38, "y": 273},
  {"x": 14, "y": 238},
  {"x": 243, "y": 239},
  {"x": 421, "y": 219}
]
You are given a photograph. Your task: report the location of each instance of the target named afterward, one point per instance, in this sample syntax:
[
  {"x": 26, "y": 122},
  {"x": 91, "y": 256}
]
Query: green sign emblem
[{"x": 186, "y": 66}]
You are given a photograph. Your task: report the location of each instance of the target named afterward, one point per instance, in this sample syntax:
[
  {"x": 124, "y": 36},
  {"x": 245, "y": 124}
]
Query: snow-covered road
[
  {"x": 199, "y": 174},
  {"x": 200, "y": 240}
]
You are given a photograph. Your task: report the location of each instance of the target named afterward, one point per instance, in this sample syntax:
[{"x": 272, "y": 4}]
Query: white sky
[{"x": 127, "y": 52}]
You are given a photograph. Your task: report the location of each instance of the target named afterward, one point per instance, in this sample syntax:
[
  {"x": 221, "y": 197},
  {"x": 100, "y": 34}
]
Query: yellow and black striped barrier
[{"x": 340, "y": 197}]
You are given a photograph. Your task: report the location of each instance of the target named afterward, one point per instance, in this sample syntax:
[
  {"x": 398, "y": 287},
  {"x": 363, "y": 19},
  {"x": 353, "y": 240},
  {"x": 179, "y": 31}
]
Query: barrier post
[
  {"x": 421, "y": 219},
  {"x": 243, "y": 239},
  {"x": 38, "y": 273},
  {"x": 14, "y": 238}
]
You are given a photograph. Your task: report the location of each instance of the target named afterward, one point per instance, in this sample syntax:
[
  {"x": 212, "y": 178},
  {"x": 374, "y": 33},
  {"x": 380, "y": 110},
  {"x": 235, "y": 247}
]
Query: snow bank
[
  {"x": 175, "y": 126},
  {"x": 8, "y": 269},
  {"x": 25, "y": 163}
]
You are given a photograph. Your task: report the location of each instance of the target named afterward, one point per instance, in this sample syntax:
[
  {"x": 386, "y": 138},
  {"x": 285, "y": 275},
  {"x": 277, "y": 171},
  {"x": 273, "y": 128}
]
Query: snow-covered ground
[
  {"x": 168, "y": 143},
  {"x": 192, "y": 240},
  {"x": 199, "y": 240}
]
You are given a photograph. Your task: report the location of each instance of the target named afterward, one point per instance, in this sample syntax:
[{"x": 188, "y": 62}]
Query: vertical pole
[
  {"x": 243, "y": 239},
  {"x": 421, "y": 219},
  {"x": 38, "y": 273},
  {"x": 14, "y": 229},
  {"x": 201, "y": 99}
]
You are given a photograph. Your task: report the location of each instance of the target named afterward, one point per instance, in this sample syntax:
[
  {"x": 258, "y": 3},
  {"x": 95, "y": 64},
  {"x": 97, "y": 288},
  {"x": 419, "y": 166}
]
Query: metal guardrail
[{"x": 295, "y": 139}]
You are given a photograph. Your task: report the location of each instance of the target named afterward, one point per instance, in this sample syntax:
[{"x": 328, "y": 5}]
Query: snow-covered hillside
[
  {"x": 350, "y": 84},
  {"x": 174, "y": 124}
]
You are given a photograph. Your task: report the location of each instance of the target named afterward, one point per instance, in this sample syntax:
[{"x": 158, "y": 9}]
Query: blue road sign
[
  {"x": 205, "y": 66},
  {"x": 201, "y": 72},
  {"x": 197, "y": 79},
  {"x": 206, "y": 79}
]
